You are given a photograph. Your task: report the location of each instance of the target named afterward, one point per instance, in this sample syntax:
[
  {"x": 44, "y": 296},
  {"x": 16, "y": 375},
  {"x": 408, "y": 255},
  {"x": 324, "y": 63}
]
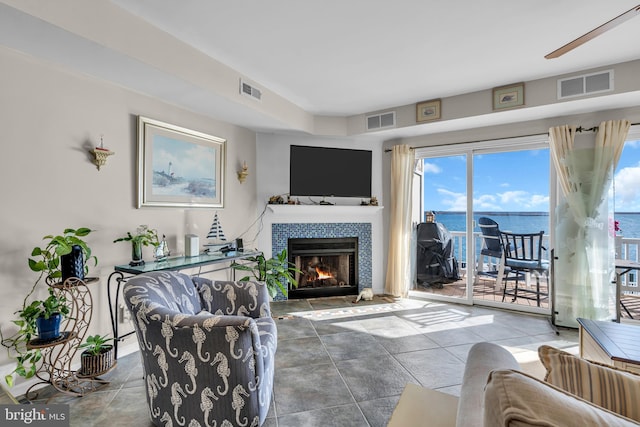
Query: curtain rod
[
  {"x": 471, "y": 142},
  {"x": 578, "y": 129}
]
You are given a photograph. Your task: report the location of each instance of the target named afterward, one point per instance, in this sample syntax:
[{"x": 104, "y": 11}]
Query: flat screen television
[{"x": 329, "y": 172}]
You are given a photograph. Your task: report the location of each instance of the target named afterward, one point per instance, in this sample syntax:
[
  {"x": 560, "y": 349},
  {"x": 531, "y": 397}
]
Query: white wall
[
  {"x": 273, "y": 179},
  {"x": 48, "y": 120}
]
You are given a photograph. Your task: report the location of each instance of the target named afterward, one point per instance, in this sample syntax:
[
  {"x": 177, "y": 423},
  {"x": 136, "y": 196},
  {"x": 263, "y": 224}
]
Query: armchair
[{"x": 207, "y": 347}]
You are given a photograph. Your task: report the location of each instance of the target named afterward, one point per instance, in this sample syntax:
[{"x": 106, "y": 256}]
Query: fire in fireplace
[{"x": 329, "y": 266}]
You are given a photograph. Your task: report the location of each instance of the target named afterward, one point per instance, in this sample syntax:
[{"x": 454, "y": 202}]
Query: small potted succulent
[
  {"x": 144, "y": 236},
  {"x": 97, "y": 357}
]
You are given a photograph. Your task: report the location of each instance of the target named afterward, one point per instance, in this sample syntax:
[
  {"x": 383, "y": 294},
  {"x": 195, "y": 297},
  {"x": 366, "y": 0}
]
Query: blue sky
[
  {"x": 515, "y": 181},
  {"x": 627, "y": 179}
]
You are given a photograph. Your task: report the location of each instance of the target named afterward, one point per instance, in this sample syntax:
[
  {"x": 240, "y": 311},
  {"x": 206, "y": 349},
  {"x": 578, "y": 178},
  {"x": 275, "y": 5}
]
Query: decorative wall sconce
[
  {"x": 243, "y": 173},
  {"x": 101, "y": 154}
]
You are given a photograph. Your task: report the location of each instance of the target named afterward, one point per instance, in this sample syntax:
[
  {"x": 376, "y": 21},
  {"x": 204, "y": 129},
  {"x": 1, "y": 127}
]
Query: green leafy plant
[
  {"x": 17, "y": 345},
  {"x": 144, "y": 236},
  {"x": 46, "y": 259},
  {"x": 96, "y": 344},
  {"x": 276, "y": 272},
  {"x": 54, "y": 304}
]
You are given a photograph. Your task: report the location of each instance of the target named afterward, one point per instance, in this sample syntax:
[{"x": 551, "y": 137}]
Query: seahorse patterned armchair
[{"x": 207, "y": 347}]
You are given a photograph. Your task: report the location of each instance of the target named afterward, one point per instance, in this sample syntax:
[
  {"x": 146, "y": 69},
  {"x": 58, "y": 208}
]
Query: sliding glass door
[
  {"x": 507, "y": 183},
  {"x": 511, "y": 195},
  {"x": 441, "y": 237}
]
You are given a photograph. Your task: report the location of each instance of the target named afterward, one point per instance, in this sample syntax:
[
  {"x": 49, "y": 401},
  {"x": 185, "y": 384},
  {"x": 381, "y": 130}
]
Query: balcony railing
[
  {"x": 459, "y": 247},
  {"x": 627, "y": 248}
]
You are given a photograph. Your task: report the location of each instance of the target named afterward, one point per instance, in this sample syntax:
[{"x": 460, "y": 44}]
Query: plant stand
[{"x": 57, "y": 355}]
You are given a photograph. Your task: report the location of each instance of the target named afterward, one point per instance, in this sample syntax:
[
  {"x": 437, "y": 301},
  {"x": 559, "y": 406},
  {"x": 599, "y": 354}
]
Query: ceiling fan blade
[{"x": 595, "y": 32}]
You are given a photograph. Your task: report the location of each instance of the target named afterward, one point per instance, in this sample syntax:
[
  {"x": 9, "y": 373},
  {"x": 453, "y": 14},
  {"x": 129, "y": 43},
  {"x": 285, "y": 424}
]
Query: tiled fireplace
[{"x": 343, "y": 249}]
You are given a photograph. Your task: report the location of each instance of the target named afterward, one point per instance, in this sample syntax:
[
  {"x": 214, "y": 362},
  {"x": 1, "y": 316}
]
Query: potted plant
[
  {"x": 47, "y": 315},
  {"x": 39, "y": 319},
  {"x": 66, "y": 255},
  {"x": 51, "y": 262},
  {"x": 275, "y": 272},
  {"x": 144, "y": 236},
  {"x": 97, "y": 357}
]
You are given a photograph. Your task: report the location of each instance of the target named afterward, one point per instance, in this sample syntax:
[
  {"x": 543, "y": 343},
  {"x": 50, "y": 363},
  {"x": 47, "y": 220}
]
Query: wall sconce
[
  {"x": 101, "y": 154},
  {"x": 243, "y": 173}
]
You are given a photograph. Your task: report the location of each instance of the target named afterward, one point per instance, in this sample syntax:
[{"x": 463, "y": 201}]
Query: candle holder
[
  {"x": 243, "y": 173},
  {"x": 101, "y": 154}
]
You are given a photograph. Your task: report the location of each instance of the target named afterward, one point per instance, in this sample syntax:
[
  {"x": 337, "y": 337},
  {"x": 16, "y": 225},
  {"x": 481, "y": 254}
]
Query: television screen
[{"x": 329, "y": 172}]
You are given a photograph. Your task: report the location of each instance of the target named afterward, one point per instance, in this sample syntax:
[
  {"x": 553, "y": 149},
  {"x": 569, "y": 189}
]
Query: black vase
[
  {"x": 72, "y": 264},
  {"x": 49, "y": 329}
]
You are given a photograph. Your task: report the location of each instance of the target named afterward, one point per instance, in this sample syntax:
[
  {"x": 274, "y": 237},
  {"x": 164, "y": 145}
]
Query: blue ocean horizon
[
  {"x": 529, "y": 222},
  {"x": 525, "y": 222}
]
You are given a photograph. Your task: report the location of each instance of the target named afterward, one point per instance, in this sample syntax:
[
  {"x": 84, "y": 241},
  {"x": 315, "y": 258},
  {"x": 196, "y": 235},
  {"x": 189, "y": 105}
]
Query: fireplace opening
[{"x": 329, "y": 266}]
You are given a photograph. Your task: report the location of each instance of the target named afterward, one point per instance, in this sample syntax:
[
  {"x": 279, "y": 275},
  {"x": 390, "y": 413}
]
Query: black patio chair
[
  {"x": 492, "y": 246},
  {"x": 522, "y": 256}
]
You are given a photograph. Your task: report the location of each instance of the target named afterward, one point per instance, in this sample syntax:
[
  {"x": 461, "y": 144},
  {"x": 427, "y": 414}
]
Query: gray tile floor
[{"x": 343, "y": 364}]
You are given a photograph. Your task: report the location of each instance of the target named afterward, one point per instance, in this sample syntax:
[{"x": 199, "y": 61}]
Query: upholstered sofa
[
  {"x": 495, "y": 392},
  {"x": 207, "y": 348}
]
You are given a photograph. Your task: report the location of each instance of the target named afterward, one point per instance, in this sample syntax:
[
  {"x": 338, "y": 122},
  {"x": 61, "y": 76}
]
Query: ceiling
[{"x": 343, "y": 58}]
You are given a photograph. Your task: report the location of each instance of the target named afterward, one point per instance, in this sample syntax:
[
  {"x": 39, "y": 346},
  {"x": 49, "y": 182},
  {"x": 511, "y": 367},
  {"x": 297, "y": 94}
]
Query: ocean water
[
  {"x": 530, "y": 222},
  {"x": 516, "y": 222},
  {"x": 525, "y": 222}
]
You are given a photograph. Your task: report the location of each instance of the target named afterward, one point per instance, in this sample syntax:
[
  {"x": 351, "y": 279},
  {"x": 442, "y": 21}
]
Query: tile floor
[{"x": 342, "y": 364}]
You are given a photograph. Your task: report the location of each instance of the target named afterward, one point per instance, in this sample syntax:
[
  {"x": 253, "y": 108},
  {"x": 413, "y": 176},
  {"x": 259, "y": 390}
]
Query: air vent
[
  {"x": 249, "y": 90},
  {"x": 585, "y": 84},
  {"x": 381, "y": 121}
]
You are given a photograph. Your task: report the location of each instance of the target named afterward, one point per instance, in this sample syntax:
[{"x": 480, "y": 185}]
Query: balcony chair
[
  {"x": 207, "y": 348},
  {"x": 492, "y": 248},
  {"x": 523, "y": 258}
]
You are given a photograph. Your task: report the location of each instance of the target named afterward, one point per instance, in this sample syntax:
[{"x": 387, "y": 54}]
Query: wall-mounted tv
[{"x": 329, "y": 172}]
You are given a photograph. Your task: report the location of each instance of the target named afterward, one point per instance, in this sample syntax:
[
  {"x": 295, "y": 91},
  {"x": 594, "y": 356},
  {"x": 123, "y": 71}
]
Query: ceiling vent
[
  {"x": 381, "y": 121},
  {"x": 249, "y": 90},
  {"x": 585, "y": 84}
]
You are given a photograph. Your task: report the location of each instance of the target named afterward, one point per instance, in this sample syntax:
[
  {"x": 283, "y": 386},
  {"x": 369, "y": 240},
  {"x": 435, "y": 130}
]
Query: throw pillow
[
  {"x": 513, "y": 398},
  {"x": 607, "y": 387}
]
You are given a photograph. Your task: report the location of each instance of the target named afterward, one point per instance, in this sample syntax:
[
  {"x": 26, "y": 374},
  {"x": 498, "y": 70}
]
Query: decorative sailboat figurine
[
  {"x": 217, "y": 235},
  {"x": 162, "y": 250}
]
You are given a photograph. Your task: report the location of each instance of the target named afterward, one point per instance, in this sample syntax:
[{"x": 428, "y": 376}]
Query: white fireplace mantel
[{"x": 324, "y": 210}]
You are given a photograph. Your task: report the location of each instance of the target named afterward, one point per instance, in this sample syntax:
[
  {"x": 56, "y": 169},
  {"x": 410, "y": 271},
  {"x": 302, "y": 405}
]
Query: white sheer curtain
[
  {"x": 399, "y": 256},
  {"x": 584, "y": 255}
]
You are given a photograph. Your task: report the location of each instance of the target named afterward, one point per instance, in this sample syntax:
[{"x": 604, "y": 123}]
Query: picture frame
[
  {"x": 179, "y": 167},
  {"x": 428, "y": 110},
  {"x": 511, "y": 96}
]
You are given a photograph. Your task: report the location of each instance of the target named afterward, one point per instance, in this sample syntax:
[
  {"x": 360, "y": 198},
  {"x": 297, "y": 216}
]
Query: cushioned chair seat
[{"x": 529, "y": 265}]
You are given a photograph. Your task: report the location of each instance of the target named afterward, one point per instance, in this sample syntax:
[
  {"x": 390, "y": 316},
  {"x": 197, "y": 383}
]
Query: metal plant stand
[{"x": 57, "y": 355}]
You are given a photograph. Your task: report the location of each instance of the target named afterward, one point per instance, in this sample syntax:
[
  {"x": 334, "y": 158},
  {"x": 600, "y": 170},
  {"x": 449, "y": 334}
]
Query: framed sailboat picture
[{"x": 179, "y": 167}]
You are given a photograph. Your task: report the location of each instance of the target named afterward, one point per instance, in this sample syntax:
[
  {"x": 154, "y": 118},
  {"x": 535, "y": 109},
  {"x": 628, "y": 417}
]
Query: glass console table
[{"x": 205, "y": 263}]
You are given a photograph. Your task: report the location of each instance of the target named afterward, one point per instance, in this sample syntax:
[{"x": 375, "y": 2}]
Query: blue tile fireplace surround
[{"x": 280, "y": 233}]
